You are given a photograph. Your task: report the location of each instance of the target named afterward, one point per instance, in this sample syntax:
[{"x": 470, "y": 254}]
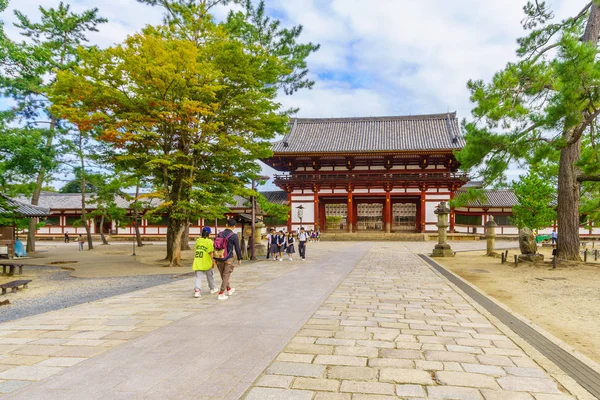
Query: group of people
[
  {"x": 280, "y": 243},
  {"x": 81, "y": 240},
  {"x": 219, "y": 253}
]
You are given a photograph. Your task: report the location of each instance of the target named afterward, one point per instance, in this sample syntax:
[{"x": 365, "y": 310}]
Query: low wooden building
[{"x": 11, "y": 210}]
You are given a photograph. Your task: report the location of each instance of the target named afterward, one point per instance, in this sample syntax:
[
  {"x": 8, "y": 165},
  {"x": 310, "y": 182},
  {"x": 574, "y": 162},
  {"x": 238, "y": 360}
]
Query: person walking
[
  {"x": 554, "y": 237},
  {"x": 204, "y": 262},
  {"x": 281, "y": 244},
  {"x": 290, "y": 245},
  {"x": 269, "y": 235},
  {"x": 302, "y": 238},
  {"x": 67, "y": 237},
  {"x": 273, "y": 245},
  {"x": 225, "y": 243},
  {"x": 81, "y": 242}
]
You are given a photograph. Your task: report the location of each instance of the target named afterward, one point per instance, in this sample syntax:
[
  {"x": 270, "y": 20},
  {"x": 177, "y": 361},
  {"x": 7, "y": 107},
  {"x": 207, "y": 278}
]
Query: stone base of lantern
[
  {"x": 442, "y": 250},
  {"x": 260, "y": 250}
]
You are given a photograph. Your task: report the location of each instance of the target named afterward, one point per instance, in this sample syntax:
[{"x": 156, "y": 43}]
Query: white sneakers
[
  {"x": 213, "y": 291},
  {"x": 196, "y": 293},
  {"x": 225, "y": 296}
]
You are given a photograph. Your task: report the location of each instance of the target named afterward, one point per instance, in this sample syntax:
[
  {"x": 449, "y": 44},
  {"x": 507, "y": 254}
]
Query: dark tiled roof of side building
[
  {"x": 377, "y": 134},
  {"x": 496, "y": 198},
  {"x": 72, "y": 201},
  {"x": 23, "y": 209}
]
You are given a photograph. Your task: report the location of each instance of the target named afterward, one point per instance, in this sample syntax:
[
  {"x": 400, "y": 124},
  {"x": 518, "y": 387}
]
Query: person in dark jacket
[{"x": 226, "y": 266}]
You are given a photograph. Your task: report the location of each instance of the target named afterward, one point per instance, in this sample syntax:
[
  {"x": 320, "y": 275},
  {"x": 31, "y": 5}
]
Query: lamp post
[
  {"x": 300, "y": 209},
  {"x": 253, "y": 216}
]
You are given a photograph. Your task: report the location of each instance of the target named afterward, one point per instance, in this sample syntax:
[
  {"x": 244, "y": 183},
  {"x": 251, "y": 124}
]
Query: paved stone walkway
[
  {"x": 392, "y": 328},
  {"x": 205, "y": 347},
  {"x": 396, "y": 329}
]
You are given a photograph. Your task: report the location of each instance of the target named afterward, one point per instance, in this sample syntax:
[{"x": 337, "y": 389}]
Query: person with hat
[{"x": 204, "y": 262}]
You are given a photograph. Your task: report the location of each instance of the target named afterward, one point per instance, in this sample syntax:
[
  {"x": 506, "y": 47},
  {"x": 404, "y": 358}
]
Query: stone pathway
[
  {"x": 396, "y": 329},
  {"x": 357, "y": 321},
  {"x": 203, "y": 346}
]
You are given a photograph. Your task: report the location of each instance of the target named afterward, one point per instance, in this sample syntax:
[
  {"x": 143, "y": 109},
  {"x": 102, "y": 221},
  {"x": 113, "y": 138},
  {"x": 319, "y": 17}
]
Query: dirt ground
[
  {"x": 114, "y": 260},
  {"x": 564, "y": 301}
]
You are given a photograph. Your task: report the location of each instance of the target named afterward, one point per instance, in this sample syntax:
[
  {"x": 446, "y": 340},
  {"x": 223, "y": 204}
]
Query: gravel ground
[{"x": 53, "y": 289}]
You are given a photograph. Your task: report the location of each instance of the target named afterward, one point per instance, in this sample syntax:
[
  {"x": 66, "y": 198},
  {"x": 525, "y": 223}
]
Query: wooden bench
[
  {"x": 14, "y": 285},
  {"x": 11, "y": 270}
]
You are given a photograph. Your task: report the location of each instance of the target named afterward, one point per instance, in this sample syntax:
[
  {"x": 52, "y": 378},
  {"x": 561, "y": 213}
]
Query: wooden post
[
  {"x": 596, "y": 255},
  {"x": 502, "y": 259},
  {"x": 452, "y": 213},
  {"x": 350, "y": 214},
  {"x": 316, "y": 213},
  {"x": 516, "y": 260},
  {"x": 423, "y": 212},
  {"x": 585, "y": 255},
  {"x": 388, "y": 212}
]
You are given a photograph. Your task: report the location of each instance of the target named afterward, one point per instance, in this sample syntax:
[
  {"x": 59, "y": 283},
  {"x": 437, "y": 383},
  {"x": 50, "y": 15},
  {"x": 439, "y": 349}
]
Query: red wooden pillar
[
  {"x": 316, "y": 213},
  {"x": 422, "y": 213},
  {"x": 452, "y": 213},
  {"x": 350, "y": 214},
  {"x": 289, "y": 224},
  {"x": 388, "y": 212}
]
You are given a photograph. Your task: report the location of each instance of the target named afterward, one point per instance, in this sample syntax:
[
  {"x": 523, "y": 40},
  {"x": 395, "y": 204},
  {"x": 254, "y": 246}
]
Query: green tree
[
  {"x": 543, "y": 108},
  {"x": 535, "y": 196},
  {"x": 104, "y": 199},
  {"x": 191, "y": 104},
  {"x": 29, "y": 70}
]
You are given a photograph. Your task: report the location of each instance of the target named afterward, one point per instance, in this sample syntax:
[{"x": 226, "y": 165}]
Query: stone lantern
[
  {"x": 442, "y": 249},
  {"x": 490, "y": 235}
]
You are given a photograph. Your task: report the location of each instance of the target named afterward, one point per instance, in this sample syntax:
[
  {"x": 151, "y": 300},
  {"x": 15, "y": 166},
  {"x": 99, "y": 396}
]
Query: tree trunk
[
  {"x": 83, "y": 211},
  {"x": 175, "y": 231},
  {"x": 35, "y": 198},
  {"x": 104, "y": 241},
  {"x": 568, "y": 186},
  {"x": 568, "y": 203},
  {"x": 172, "y": 233},
  {"x": 138, "y": 237},
  {"x": 185, "y": 238}
]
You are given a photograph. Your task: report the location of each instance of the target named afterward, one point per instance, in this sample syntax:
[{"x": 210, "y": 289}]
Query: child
[
  {"x": 204, "y": 262},
  {"x": 280, "y": 244},
  {"x": 290, "y": 245},
  {"x": 269, "y": 235},
  {"x": 274, "y": 246}
]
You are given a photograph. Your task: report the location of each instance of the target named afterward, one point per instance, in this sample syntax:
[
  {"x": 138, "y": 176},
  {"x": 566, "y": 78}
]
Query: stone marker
[
  {"x": 442, "y": 249},
  {"x": 490, "y": 236},
  {"x": 528, "y": 246}
]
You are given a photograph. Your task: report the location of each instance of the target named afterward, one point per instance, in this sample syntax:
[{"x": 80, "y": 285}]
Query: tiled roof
[
  {"x": 22, "y": 209},
  {"x": 496, "y": 198},
  {"x": 351, "y": 135},
  {"x": 72, "y": 201},
  {"x": 276, "y": 197}
]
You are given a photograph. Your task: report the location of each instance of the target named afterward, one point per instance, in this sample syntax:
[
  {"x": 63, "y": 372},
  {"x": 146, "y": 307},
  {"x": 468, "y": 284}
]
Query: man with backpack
[{"x": 225, "y": 243}]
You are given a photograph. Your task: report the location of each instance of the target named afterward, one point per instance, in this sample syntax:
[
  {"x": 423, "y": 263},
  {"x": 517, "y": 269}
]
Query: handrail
[{"x": 387, "y": 177}]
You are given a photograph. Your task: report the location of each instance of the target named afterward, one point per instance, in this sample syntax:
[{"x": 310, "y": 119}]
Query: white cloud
[{"x": 378, "y": 57}]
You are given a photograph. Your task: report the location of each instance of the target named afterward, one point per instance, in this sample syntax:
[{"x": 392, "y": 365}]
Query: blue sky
[{"x": 377, "y": 57}]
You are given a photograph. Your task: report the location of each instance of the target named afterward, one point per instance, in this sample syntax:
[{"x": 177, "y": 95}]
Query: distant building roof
[
  {"x": 23, "y": 209},
  {"x": 379, "y": 134},
  {"x": 495, "y": 198},
  {"x": 72, "y": 201}
]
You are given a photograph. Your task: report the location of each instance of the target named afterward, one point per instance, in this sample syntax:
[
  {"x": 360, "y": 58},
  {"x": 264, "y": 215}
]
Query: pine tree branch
[{"x": 588, "y": 178}]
